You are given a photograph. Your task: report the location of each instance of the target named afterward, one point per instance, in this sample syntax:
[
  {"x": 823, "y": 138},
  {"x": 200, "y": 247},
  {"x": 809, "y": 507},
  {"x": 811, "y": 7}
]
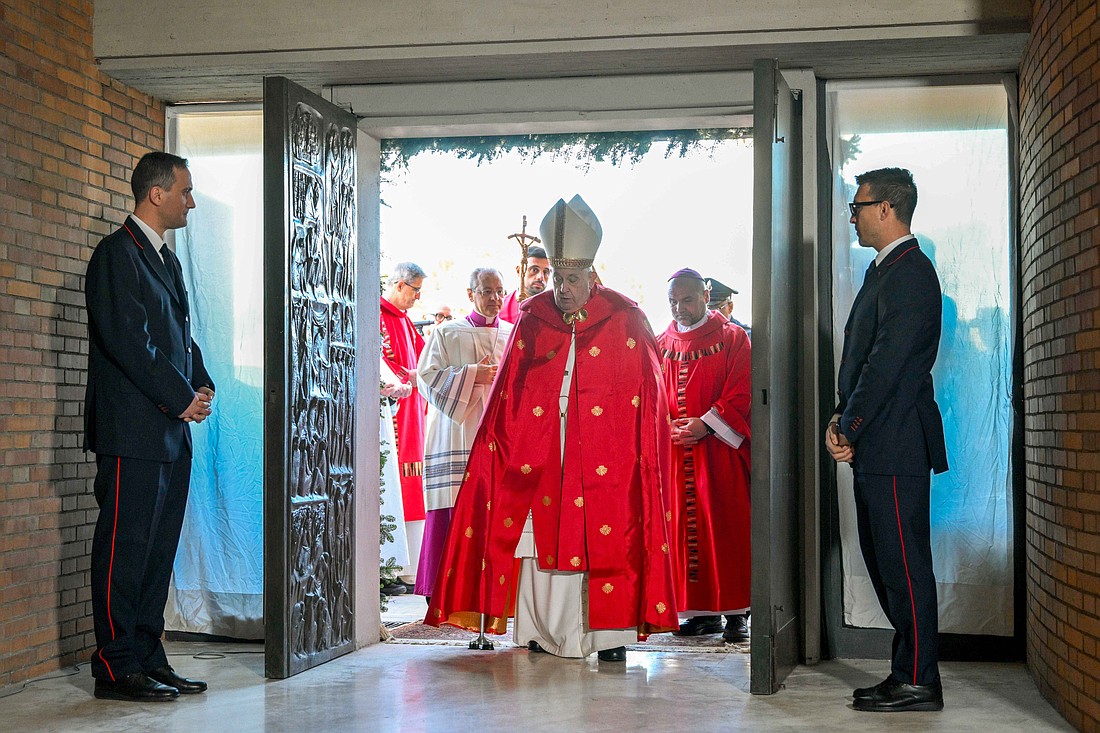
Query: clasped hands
[
  {"x": 486, "y": 370},
  {"x": 838, "y": 446},
  {"x": 687, "y": 431},
  {"x": 199, "y": 409},
  {"x": 397, "y": 391}
]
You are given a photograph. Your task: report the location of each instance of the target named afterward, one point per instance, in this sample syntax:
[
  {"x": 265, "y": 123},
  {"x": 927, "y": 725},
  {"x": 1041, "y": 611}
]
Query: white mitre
[{"x": 571, "y": 234}]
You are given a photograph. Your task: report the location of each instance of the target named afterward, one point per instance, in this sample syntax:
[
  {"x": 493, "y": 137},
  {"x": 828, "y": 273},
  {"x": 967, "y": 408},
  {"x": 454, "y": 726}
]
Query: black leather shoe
[
  {"x": 700, "y": 626},
  {"x": 618, "y": 654},
  {"x": 396, "y": 588},
  {"x": 737, "y": 628},
  {"x": 136, "y": 687},
  {"x": 534, "y": 646},
  {"x": 167, "y": 676},
  {"x": 897, "y": 697},
  {"x": 865, "y": 692}
]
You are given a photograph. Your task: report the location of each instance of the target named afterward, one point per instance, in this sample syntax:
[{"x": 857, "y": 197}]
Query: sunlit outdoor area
[{"x": 659, "y": 214}]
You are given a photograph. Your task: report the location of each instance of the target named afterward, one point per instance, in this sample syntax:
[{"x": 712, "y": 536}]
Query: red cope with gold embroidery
[{"x": 602, "y": 509}]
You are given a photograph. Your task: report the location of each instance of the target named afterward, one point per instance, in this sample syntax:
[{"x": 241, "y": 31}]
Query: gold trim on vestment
[
  {"x": 471, "y": 621},
  {"x": 571, "y": 262},
  {"x": 695, "y": 354}
]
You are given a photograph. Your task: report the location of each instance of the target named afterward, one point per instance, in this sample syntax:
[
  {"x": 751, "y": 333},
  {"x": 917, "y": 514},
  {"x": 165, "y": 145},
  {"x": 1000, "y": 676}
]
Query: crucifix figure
[{"x": 525, "y": 240}]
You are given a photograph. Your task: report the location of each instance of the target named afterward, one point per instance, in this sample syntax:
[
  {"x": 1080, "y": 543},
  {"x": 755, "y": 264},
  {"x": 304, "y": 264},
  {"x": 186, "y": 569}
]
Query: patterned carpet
[{"x": 418, "y": 633}]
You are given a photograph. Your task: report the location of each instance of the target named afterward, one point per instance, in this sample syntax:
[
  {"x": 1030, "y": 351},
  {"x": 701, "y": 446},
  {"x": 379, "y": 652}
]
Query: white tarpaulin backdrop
[
  {"x": 217, "y": 586},
  {"x": 955, "y": 142}
]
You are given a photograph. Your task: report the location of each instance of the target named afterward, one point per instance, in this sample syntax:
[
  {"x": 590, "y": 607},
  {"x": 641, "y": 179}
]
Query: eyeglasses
[
  {"x": 412, "y": 286},
  {"x": 500, "y": 293},
  {"x": 442, "y": 317},
  {"x": 854, "y": 206}
]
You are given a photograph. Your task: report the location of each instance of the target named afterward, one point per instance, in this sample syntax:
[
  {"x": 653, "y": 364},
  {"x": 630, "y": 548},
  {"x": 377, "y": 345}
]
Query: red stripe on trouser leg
[
  {"x": 110, "y": 567},
  {"x": 909, "y": 581},
  {"x": 107, "y": 665}
]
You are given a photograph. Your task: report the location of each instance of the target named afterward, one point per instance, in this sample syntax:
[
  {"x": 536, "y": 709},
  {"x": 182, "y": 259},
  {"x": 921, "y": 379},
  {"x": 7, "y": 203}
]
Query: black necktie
[
  {"x": 870, "y": 271},
  {"x": 173, "y": 270}
]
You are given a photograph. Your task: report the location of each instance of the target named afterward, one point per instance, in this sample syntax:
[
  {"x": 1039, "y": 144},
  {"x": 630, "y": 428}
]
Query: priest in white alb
[{"x": 455, "y": 372}]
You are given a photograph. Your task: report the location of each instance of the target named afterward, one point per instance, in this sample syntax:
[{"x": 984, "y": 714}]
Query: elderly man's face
[
  {"x": 406, "y": 292},
  {"x": 488, "y": 296},
  {"x": 572, "y": 287},
  {"x": 538, "y": 272},
  {"x": 687, "y": 299}
]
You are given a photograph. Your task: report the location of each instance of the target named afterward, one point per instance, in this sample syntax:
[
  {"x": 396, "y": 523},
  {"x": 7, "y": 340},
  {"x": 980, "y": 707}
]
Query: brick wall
[
  {"x": 1060, "y": 273},
  {"x": 69, "y": 137}
]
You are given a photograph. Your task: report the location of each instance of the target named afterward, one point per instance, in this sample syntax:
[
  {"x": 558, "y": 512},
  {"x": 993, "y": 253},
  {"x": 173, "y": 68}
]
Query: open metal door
[
  {"x": 310, "y": 289},
  {"x": 777, "y": 207}
]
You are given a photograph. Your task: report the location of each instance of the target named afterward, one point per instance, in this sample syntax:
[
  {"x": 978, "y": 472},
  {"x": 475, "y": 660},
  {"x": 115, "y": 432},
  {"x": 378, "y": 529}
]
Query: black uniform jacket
[
  {"x": 143, "y": 365},
  {"x": 887, "y": 406}
]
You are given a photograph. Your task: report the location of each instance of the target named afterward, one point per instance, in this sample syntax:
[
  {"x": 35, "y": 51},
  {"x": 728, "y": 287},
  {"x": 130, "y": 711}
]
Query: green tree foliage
[
  {"x": 388, "y": 569},
  {"x": 582, "y": 148}
]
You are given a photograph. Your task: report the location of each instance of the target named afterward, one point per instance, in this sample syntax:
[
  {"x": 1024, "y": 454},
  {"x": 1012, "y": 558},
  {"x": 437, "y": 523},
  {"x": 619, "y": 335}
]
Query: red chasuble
[
  {"x": 603, "y": 509},
  {"x": 401, "y": 347},
  {"x": 710, "y": 367}
]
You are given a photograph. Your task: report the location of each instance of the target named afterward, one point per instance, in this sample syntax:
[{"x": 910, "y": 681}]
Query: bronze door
[{"x": 310, "y": 243}]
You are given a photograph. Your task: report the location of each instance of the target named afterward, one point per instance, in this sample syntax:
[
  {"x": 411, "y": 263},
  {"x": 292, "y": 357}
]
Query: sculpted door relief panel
[{"x": 321, "y": 383}]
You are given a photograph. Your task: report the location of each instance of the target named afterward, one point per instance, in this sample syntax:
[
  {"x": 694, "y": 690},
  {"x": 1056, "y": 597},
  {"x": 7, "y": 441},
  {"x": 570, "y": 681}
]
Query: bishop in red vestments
[
  {"x": 707, "y": 365},
  {"x": 401, "y": 347},
  {"x": 576, "y": 435}
]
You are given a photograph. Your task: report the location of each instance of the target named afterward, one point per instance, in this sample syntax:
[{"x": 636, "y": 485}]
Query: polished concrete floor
[{"x": 435, "y": 687}]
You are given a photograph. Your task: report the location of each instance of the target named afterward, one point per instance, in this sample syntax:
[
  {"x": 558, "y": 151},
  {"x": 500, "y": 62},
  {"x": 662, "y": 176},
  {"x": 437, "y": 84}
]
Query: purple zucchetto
[{"x": 686, "y": 272}]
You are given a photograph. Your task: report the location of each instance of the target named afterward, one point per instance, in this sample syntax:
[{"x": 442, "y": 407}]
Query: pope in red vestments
[
  {"x": 597, "y": 503},
  {"x": 707, "y": 363}
]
